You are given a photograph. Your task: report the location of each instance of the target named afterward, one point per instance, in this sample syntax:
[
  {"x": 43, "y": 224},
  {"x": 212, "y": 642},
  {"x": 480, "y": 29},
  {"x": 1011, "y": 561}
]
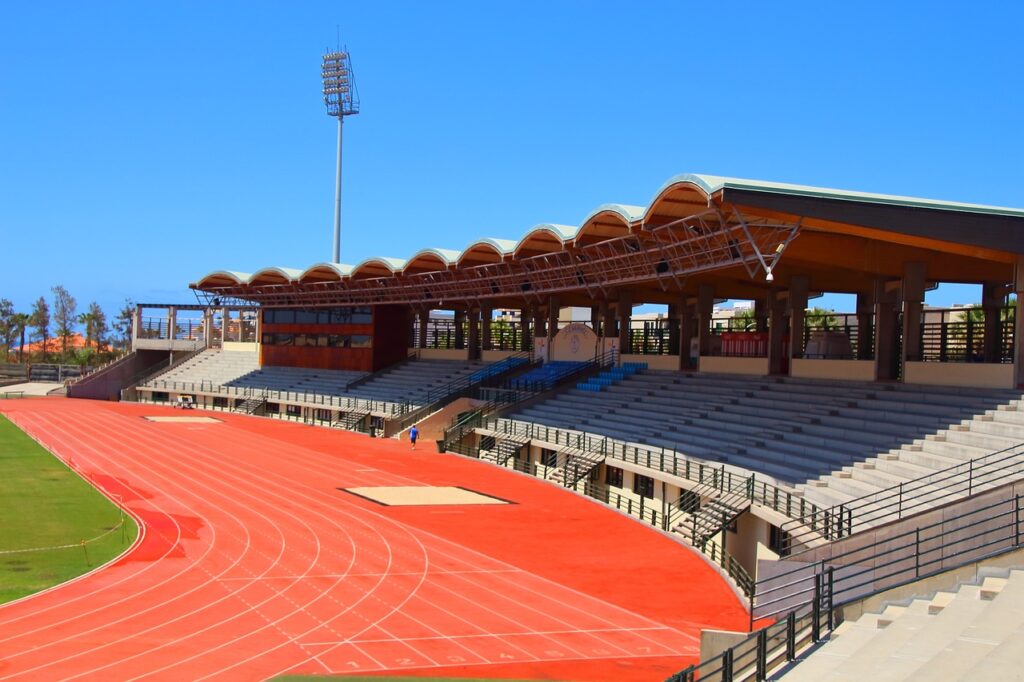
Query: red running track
[{"x": 251, "y": 563}]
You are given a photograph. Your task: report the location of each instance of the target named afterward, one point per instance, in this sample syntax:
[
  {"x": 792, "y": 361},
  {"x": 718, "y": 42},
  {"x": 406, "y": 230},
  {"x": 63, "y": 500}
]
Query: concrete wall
[
  {"x": 660, "y": 362},
  {"x": 177, "y": 345},
  {"x": 107, "y": 385},
  {"x": 238, "y": 347},
  {"x": 432, "y": 428},
  {"x": 574, "y": 343},
  {"x": 722, "y": 365},
  {"x": 888, "y": 551},
  {"x": 982, "y": 375},
  {"x": 853, "y": 370}
]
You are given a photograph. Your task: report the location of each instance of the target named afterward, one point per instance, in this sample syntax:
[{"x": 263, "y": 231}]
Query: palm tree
[{"x": 20, "y": 322}]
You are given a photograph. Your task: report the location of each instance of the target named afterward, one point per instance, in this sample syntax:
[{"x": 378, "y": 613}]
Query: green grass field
[{"x": 45, "y": 504}]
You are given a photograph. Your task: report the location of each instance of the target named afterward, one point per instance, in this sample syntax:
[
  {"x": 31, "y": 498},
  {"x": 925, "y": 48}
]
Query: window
[
  {"x": 272, "y": 408},
  {"x": 549, "y": 458},
  {"x": 643, "y": 485},
  {"x": 613, "y": 477},
  {"x": 324, "y": 415},
  {"x": 220, "y": 402},
  {"x": 284, "y": 339},
  {"x": 293, "y": 410},
  {"x": 300, "y": 340},
  {"x": 321, "y": 340},
  {"x": 362, "y": 341},
  {"x": 268, "y": 339},
  {"x": 161, "y": 396}
]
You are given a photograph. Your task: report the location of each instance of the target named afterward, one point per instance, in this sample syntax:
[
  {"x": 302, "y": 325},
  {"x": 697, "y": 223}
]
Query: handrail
[
  {"x": 909, "y": 497},
  {"x": 118, "y": 359},
  {"x": 430, "y": 402},
  {"x": 174, "y": 364},
  {"x": 388, "y": 409},
  {"x": 669, "y": 461},
  {"x": 805, "y": 610},
  {"x": 514, "y": 396}
]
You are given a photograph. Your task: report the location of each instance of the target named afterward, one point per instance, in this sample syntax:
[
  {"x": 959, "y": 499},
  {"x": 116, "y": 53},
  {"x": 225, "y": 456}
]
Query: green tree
[
  {"x": 40, "y": 322},
  {"x": 744, "y": 320},
  {"x": 123, "y": 325},
  {"x": 64, "y": 307},
  {"x": 21, "y": 321},
  {"x": 820, "y": 318},
  {"x": 95, "y": 321},
  {"x": 7, "y": 330}
]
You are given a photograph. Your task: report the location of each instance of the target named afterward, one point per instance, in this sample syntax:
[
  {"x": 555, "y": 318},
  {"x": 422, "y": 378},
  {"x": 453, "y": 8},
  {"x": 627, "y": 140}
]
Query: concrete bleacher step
[{"x": 974, "y": 632}]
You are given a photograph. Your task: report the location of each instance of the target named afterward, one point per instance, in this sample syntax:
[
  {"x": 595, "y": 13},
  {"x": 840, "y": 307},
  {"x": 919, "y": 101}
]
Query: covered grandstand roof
[{"x": 993, "y": 231}]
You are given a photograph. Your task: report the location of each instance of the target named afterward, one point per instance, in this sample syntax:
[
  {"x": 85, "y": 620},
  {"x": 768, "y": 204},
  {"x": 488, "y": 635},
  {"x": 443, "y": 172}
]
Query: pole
[{"x": 337, "y": 199}]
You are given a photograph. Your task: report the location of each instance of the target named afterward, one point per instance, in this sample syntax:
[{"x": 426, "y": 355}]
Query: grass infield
[{"x": 44, "y": 507}]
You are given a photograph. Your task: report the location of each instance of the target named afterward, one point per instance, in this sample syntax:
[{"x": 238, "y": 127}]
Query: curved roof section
[
  {"x": 223, "y": 278},
  {"x": 546, "y": 237},
  {"x": 487, "y": 250},
  {"x": 607, "y": 221},
  {"x": 680, "y": 196},
  {"x": 325, "y": 272},
  {"x": 378, "y": 266},
  {"x": 275, "y": 275},
  {"x": 431, "y": 259}
]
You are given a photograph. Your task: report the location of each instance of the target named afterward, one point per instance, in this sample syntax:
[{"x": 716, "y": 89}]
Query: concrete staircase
[
  {"x": 709, "y": 519},
  {"x": 212, "y": 366},
  {"x": 975, "y": 633},
  {"x": 974, "y": 438},
  {"x": 575, "y": 465},
  {"x": 834, "y": 440}
]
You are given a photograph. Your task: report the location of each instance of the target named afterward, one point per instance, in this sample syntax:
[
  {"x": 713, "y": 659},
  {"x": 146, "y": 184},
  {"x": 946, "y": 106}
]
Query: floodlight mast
[{"x": 342, "y": 99}]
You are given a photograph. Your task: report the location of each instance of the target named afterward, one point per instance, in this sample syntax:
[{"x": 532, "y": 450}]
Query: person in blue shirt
[{"x": 414, "y": 433}]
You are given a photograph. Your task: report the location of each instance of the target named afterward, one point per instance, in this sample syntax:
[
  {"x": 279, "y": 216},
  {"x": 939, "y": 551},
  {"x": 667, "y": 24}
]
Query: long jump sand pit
[{"x": 422, "y": 496}]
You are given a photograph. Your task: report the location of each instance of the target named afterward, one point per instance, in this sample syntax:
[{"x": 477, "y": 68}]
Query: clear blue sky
[{"x": 145, "y": 144}]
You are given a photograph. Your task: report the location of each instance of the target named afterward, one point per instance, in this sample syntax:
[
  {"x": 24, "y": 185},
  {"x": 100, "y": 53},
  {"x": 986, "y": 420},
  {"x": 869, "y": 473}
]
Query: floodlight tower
[{"x": 342, "y": 99}]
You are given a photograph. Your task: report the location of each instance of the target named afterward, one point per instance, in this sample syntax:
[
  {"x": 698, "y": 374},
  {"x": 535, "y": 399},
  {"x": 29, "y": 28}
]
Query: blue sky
[{"x": 145, "y": 144}]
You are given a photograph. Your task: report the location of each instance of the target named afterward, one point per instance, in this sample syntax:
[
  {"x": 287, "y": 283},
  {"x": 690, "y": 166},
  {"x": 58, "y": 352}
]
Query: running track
[{"x": 251, "y": 563}]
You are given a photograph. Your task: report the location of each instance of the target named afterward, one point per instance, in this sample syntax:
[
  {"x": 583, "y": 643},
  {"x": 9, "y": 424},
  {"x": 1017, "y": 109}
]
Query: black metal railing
[
  {"x": 653, "y": 337},
  {"x": 669, "y": 461},
  {"x": 906, "y": 498},
  {"x": 959, "y": 335},
  {"x": 801, "y": 602},
  {"x": 838, "y": 336},
  {"x": 514, "y": 393}
]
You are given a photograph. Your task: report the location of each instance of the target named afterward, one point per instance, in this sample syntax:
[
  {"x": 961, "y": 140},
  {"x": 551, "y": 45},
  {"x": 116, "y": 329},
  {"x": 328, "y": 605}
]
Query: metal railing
[
  {"x": 508, "y": 397},
  {"x": 803, "y": 600},
  {"x": 958, "y": 335},
  {"x": 436, "y": 398},
  {"x": 908, "y": 497},
  {"x": 654, "y": 337},
  {"x": 668, "y": 461},
  {"x": 94, "y": 371},
  {"x": 299, "y": 398},
  {"x": 838, "y": 336}
]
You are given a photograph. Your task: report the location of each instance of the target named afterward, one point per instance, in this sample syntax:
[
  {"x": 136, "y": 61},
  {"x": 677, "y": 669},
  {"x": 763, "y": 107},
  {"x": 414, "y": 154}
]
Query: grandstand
[{"x": 757, "y": 440}]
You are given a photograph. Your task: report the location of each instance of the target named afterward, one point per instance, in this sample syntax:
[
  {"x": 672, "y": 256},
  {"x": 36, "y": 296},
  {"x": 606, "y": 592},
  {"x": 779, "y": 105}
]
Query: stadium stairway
[{"x": 976, "y": 633}]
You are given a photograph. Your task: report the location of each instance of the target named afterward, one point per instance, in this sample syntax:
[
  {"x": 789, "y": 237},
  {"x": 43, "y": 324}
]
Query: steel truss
[{"x": 665, "y": 254}]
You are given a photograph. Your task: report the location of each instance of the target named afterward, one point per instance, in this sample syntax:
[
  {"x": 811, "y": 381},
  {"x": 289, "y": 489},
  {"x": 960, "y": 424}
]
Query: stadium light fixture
[{"x": 342, "y": 99}]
